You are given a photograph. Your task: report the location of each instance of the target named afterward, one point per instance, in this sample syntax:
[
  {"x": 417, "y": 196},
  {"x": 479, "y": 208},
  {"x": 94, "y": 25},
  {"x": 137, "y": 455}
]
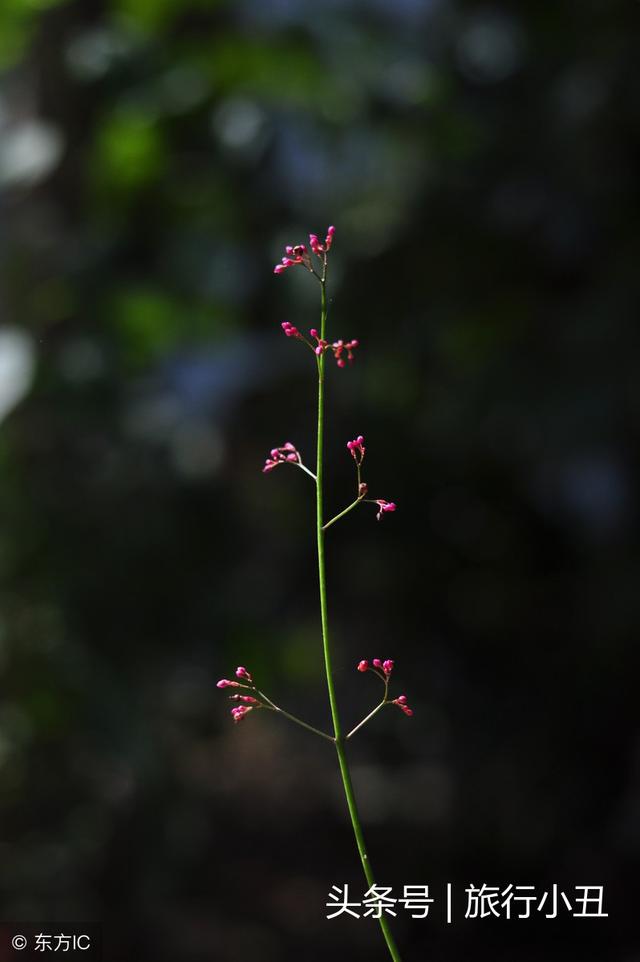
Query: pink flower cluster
[
  {"x": 357, "y": 449},
  {"x": 299, "y": 254},
  {"x": 319, "y": 248},
  {"x": 240, "y": 673},
  {"x": 287, "y": 453},
  {"x": 383, "y": 670},
  {"x": 291, "y": 331},
  {"x": 386, "y": 666},
  {"x": 248, "y": 701},
  {"x": 401, "y": 702},
  {"x": 294, "y": 255},
  {"x": 339, "y": 347}
]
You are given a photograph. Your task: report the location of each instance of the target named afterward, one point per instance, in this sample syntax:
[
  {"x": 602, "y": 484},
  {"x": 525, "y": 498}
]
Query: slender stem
[
  {"x": 306, "y": 469},
  {"x": 335, "y": 716},
  {"x": 342, "y": 514},
  {"x": 367, "y": 718},
  {"x": 299, "y": 721},
  {"x": 272, "y": 705}
]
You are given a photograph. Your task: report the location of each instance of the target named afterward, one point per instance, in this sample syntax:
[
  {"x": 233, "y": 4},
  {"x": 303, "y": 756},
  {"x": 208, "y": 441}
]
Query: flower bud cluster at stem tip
[
  {"x": 357, "y": 449},
  {"x": 286, "y": 453},
  {"x": 384, "y": 507},
  {"x": 238, "y": 712},
  {"x": 383, "y": 670},
  {"x": 401, "y": 702},
  {"x": 299, "y": 254}
]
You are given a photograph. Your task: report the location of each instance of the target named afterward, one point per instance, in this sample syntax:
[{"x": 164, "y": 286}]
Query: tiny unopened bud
[
  {"x": 387, "y": 666},
  {"x": 363, "y": 666},
  {"x": 243, "y": 673},
  {"x": 401, "y": 702},
  {"x": 225, "y": 683},
  {"x": 240, "y": 711}
]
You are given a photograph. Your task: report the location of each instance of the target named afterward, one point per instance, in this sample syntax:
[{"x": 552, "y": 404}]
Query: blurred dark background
[{"x": 480, "y": 163}]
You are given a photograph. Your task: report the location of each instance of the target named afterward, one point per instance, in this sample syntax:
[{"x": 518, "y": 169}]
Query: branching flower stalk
[{"x": 287, "y": 453}]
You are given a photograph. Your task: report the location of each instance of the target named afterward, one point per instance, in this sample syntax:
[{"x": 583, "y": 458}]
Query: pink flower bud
[
  {"x": 387, "y": 666},
  {"x": 240, "y": 711},
  {"x": 377, "y": 663},
  {"x": 225, "y": 683},
  {"x": 384, "y": 507},
  {"x": 401, "y": 702},
  {"x": 363, "y": 666},
  {"x": 243, "y": 673},
  {"x": 322, "y": 344}
]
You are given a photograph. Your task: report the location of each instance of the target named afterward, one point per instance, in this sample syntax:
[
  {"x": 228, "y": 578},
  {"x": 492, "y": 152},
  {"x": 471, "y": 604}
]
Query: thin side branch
[{"x": 298, "y": 721}]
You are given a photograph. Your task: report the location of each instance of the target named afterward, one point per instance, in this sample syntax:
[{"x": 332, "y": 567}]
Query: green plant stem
[
  {"x": 304, "y": 468},
  {"x": 366, "y": 719},
  {"x": 335, "y": 715},
  {"x": 342, "y": 514}
]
